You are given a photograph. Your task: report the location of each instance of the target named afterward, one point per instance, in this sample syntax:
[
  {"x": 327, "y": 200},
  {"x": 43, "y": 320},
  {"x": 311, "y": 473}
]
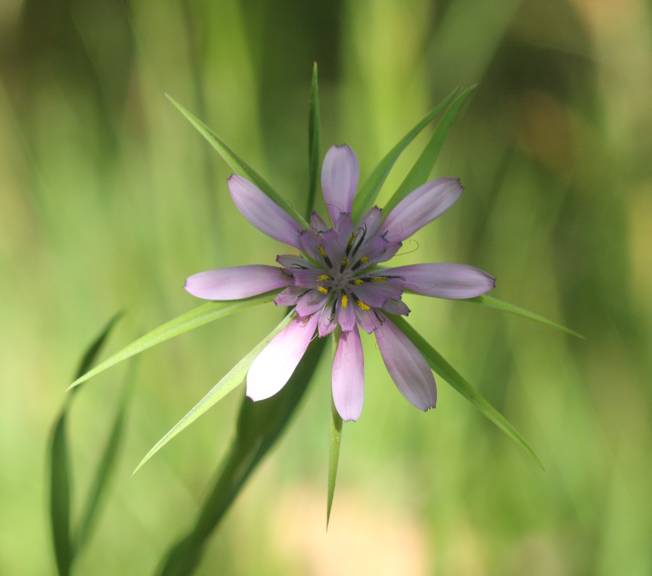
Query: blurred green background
[{"x": 109, "y": 199}]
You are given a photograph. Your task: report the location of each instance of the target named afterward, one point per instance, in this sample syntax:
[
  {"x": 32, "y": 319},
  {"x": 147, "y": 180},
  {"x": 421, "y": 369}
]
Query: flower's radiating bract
[{"x": 335, "y": 283}]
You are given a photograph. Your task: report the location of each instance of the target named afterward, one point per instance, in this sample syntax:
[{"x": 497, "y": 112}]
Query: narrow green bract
[
  {"x": 422, "y": 168},
  {"x": 496, "y": 304},
  {"x": 314, "y": 130},
  {"x": 191, "y": 320},
  {"x": 231, "y": 380},
  {"x": 333, "y": 459},
  {"x": 237, "y": 164},
  {"x": 441, "y": 367},
  {"x": 370, "y": 189}
]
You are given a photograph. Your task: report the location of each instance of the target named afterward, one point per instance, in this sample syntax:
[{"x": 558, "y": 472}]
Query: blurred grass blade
[
  {"x": 60, "y": 497},
  {"x": 333, "y": 459},
  {"x": 60, "y": 475},
  {"x": 105, "y": 467},
  {"x": 503, "y": 306},
  {"x": 236, "y": 163},
  {"x": 370, "y": 189},
  {"x": 314, "y": 130},
  {"x": 94, "y": 349},
  {"x": 455, "y": 379},
  {"x": 188, "y": 321},
  {"x": 231, "y": 380},
  {"x": 425, "y": 163},
  {"x": 259, "y": 426}
]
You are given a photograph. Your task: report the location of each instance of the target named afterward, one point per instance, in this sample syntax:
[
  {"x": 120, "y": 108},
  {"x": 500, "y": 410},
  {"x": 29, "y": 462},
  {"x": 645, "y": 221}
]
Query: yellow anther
[
  {"x": 322, "y": 289},
  {"x": 323, "y": 277},
  {"x": 358, "y": 282},
  {"x": 362, "y": 306},
  {"x": 345, "y": 261},
  {"x": 379, "y": 279},
  {"x": 345, "y": 300},
  {"x": 322, "y": 251},
  {"x": 364, "y": 259}
]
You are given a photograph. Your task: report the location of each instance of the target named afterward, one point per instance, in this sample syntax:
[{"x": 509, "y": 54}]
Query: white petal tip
[
  {"x": 256, "y": 395},
  {"x": 350, "y": 418}
]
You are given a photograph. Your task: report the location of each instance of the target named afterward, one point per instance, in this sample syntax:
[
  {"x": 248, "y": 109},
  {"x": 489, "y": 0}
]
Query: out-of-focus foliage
[{"x": 108, "y": 199}]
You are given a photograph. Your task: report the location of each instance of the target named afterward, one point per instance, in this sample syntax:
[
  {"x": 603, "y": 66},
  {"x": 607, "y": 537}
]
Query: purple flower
[{"x": 336, "y": 281}]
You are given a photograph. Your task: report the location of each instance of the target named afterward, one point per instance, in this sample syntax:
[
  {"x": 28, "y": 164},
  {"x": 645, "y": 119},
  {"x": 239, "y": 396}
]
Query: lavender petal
[
  {"x": 310, "y": 303},
  {"x": 455, "y": 281},
  {"x": 367, "y": 319},
  {"x": 397, "y": 307},
  {"x": 293, "y": 262},
  {"x": 339, "y": 179},
  {"x": 345, "y": 313},
  {"x": 421, "y": 207},
  {"x": 406, "y": 366},
  {"x": 317, "y": 223},
  {"x": 289, "y": 296},
  {"x": 263, "y": 212},
  {"x": 327, "y": 320},
  {"x": 376, "y": 294},
  {"x": 309, "y": 242}
]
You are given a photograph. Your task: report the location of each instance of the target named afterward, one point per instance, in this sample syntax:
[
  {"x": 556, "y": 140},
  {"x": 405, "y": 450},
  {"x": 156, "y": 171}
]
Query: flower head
[{"x": 336, "y": 282}]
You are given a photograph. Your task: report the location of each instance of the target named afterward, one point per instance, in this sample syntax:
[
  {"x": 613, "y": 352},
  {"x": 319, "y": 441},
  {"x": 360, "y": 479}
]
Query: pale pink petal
[{"x": 236, "y": 283}]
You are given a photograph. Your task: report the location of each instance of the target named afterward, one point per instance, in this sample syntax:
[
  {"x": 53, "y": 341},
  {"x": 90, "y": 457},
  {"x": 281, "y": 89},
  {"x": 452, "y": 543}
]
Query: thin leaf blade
[
  {"x": 439, "y": 365},
  {"x": 237, "y": 164},
  {"x": 314, "y": 131},
  {"x": 231, "y": 380},
  {"x": 496, "y": 304},
  {"x": 370, "y": 189},
  {"x": 422, "y": 168},
  {"x": 186, "y": 322}
]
